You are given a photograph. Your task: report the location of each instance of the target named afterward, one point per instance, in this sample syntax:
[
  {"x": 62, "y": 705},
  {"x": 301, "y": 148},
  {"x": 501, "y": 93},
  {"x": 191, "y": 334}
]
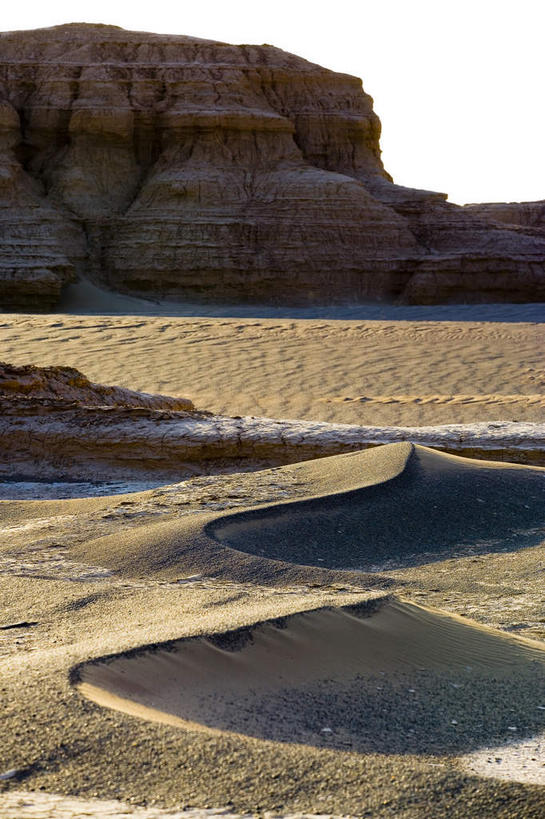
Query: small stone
[{"x": 9, "y": 774}]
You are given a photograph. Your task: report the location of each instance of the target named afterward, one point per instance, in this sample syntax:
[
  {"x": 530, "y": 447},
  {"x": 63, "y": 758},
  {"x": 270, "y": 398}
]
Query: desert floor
[
  {"x": 65, "y": 603},
  {"x": 398, "y": 371}
]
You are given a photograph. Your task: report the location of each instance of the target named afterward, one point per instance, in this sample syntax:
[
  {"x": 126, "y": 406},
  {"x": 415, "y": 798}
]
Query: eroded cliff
[{"x": 200, "y": 170}]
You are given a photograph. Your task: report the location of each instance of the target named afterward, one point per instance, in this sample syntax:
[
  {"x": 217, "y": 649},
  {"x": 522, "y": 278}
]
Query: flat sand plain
[
  {"x": 70, "y": 595},
  {"x": 406, "y": 373}
]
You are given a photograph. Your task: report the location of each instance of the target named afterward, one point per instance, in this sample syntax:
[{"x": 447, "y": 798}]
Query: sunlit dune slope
[{"x": 385, "y": 676}]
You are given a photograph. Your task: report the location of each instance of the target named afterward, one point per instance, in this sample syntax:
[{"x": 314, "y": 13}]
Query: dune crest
[
  {"x": 319, "y": 676},
  {"x": 396, "y": 502}
]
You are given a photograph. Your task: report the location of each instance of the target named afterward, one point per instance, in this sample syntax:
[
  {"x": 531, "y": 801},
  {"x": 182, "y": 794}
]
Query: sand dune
[
  {"x": 386, "y": 676},
  {"x": 434, "y": 503},
  {"x": 394, "y": 502},
  {"x": 393, "y": 682}
]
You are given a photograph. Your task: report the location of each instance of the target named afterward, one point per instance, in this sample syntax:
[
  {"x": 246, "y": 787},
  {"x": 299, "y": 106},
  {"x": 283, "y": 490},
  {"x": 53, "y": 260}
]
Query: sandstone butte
[{"x": 193, "y": 169}]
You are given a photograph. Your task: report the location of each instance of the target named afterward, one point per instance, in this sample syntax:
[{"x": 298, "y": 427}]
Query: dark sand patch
[
  {"x": 436, "y": 502},
  {"x": 386, "y": 676},
  {"x": 392, "y": 502}
]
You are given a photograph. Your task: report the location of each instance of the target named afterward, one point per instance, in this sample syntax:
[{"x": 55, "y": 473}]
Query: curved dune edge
[
  {"x": 358, "y": 510},
  {"x": 398, "y": 499},
  {"x": 230, "y": 682}
]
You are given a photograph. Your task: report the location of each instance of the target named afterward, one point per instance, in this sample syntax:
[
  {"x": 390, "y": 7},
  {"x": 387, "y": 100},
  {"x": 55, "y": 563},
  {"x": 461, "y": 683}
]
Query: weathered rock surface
[
  {"x": 30, "y": 386},
  {"x": 56, "y": 425},
  {"x": 530, "y": 215},
  {"x": 206, "y": 171}
]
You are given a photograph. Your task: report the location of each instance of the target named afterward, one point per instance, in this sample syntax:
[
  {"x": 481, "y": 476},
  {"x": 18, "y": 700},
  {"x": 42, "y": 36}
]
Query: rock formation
[
  {"x": 199, "y": 170},
  {"x": 67, "y": 387},
  {"x": 528, "y": 215},
  {"x": 57, "y": 425}
]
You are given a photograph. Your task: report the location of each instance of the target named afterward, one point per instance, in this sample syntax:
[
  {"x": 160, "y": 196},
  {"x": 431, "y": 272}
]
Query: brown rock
[
  {"x": 52, "y": 386},
  {"x": 54, "y": 439},
  {"x": 530, "y": 215},
  {"x": 205, "y": 171}
]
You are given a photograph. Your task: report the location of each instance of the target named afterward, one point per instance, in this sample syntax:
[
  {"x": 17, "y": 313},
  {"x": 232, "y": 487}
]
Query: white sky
[{"x": 458, "y": 84}]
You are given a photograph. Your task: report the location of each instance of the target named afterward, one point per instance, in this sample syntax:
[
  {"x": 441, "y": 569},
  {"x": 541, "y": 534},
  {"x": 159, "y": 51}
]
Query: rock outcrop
[
  {"x": 61, "y": 387},
  {"x": 528, "y": 215},
  {"x": 199, "y": 170},
  {"x": 56, "y": 425}
]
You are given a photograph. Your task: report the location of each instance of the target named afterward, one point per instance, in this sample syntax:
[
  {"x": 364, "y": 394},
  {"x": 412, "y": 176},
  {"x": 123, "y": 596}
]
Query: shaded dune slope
[
  {"x": 433, "y": 503},
  {"x": 386, "y": 676},
  {"x": 390, "y": 502}
]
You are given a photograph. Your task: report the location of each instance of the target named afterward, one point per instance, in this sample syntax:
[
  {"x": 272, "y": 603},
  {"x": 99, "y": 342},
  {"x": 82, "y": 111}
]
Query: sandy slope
[
  {"x": 377, "y": 677},
  {"x": 365, "y": 372},
  {"x": 68, "y": 600},
  {"x": 394, "y": 503},
  {"x": 81, "y": 579}
]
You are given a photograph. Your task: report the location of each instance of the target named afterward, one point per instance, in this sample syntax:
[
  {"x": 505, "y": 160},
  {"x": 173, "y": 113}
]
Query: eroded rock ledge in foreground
[
  {"x": 194, "y": 169},
  {"x": 56, "y": 425}
]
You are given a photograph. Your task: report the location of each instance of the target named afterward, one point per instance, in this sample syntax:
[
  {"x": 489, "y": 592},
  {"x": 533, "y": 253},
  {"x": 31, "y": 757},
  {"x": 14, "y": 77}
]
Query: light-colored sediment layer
[
  {"x": 36, "y": 805},
  {"x": 288, "y": 368},
  {"x": 58, "y": 443}
]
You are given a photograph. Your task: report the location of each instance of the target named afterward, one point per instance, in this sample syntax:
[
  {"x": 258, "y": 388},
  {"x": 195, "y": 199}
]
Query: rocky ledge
[
  {"x": 29, "y": 387},
  {"x": 527, "y": 215},
  {"x": 194, "y": 169},
  {"x": 57, "y": 425}
]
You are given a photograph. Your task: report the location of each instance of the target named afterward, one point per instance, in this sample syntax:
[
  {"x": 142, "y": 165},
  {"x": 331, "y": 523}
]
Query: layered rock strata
[
  {"x": 527, "y": 215},
  {"x": 29, "y": 386},
  {"x": 57, "y": 425},
  {"x": 205, "y": 171}
]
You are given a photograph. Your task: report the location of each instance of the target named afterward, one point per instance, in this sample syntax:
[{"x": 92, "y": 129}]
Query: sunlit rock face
[{"x": 205, "y": 171}]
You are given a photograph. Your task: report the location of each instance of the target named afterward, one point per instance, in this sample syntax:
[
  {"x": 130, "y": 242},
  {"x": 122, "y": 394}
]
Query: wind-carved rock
[
  {"x": 57, "y": 424},
  {"x": 59, "y": 387},
  {"x": 199, "y": 170},
  {"x": 527, "y": 215}
]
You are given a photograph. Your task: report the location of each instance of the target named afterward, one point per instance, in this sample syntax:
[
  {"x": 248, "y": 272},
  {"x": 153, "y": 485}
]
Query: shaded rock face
[
  {"x": 199, "y": 170},
  {"x": 528, "y": 215}
]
